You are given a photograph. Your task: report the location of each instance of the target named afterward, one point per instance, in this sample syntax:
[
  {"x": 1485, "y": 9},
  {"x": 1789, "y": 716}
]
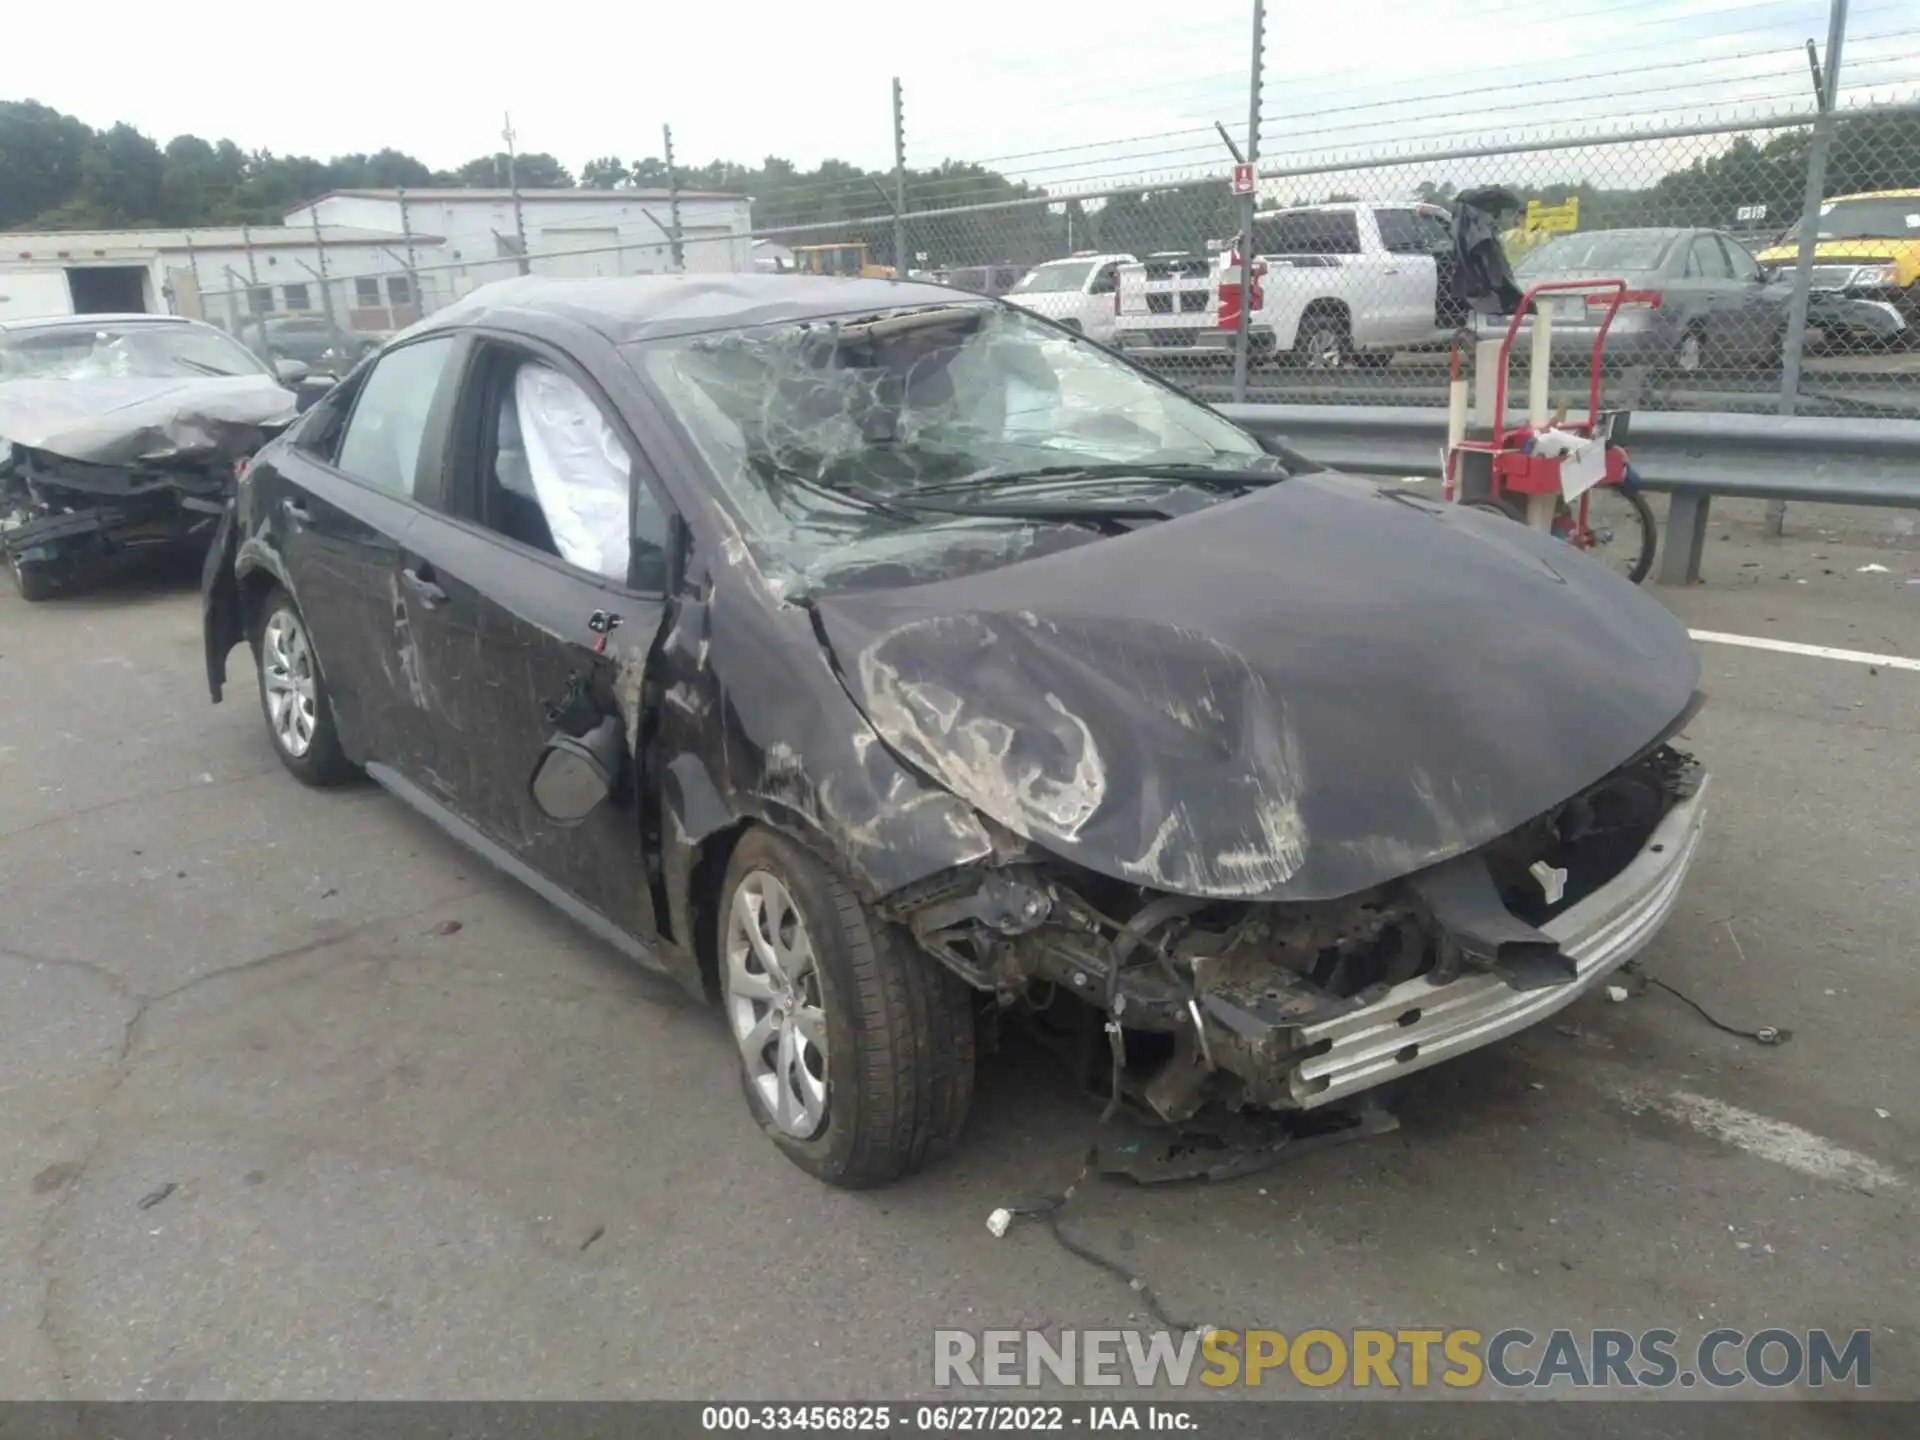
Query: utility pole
[
  {"x": 1827, "y": 95},
  {"x": 676, "y": 246},
  {"x": 899, "y": 183},
  {"x": 413, "y": 273},
  {"x": 513, "y": 188},
  {"x": 193, "y": 269},
  {"x": 253, "y": 274},
  {"x": 1249, "y": 202},
  {"x": 238, "y": 317},
  {"x": 326, "y": 297}
]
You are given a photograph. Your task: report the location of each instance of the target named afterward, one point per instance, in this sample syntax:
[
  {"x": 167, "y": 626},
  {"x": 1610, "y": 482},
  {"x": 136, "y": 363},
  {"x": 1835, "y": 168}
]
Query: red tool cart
[{"x": 1568, "y": 477}]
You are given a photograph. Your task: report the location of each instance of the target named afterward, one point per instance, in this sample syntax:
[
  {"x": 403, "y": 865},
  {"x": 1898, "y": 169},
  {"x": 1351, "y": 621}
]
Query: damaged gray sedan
[
  {"x": 119, "y": 433},
  {"x": 887, "y": 664}
]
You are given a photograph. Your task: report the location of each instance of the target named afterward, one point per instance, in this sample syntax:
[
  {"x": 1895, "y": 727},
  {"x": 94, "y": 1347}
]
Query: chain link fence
[
  {"x": 1353, "y": 298},
  {"x": 1142, "y": 245}
]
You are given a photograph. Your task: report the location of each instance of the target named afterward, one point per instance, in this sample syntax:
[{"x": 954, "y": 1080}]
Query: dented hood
[
  {"x": 1293, "y": 696},
  {"x": 130, "y": 421}
]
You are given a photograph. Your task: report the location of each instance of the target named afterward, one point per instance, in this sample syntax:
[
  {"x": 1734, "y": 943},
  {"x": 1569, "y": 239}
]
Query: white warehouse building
[
  {"x": 371, "y": 260},
  {"x": 222, "y": 273},
  {"x": 567, "y": 232}
]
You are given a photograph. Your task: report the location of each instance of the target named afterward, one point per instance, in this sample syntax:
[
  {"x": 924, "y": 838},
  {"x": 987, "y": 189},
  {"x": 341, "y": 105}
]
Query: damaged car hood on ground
[
  {"x": 1293, "y": 696},
  {"x": 135, "y": 421}
]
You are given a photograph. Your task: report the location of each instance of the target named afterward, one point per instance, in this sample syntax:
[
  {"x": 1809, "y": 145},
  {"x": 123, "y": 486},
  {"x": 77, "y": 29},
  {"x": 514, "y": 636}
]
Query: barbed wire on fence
[{"x": 1679, "y": 162}]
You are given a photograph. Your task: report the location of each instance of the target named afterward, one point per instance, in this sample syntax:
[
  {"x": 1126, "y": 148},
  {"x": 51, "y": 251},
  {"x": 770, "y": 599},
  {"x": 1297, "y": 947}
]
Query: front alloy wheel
[
  {"x": 856, "y": 1046},
  {"x": 287, "y": 683},
  {"x": 774, "y": 1006}
]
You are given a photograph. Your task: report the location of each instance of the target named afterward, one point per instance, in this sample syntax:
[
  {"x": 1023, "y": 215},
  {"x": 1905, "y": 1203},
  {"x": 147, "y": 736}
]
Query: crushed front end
[
  {"x": 61, "y": 519},
  {"x": 1294, "y": 1006}
]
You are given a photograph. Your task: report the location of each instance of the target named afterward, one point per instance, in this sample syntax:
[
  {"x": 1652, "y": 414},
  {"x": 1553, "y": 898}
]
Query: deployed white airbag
[{"x": 581, "y": 470}]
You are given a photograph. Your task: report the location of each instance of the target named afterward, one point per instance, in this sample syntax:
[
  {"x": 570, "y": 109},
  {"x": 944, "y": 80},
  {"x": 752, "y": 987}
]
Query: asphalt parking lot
[{"x": 298, "y": 1100}]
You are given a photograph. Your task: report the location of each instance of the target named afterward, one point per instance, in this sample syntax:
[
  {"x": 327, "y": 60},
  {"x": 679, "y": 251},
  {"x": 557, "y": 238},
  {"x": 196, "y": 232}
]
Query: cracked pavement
[{"x": 426, "y": 1139}]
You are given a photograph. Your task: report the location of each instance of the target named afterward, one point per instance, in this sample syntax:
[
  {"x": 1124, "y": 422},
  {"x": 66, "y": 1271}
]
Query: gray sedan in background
[{"x": 1697, "y": 300}]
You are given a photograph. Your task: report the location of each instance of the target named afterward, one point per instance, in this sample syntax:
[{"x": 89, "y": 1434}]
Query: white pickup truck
[
  {"x": 1334, "y": 285},
  {"x": 1077, "y": 291}
]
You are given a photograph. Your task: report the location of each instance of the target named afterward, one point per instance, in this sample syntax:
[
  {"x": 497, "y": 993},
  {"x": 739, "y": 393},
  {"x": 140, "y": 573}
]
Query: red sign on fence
[{"x": 1243, "y": 179}]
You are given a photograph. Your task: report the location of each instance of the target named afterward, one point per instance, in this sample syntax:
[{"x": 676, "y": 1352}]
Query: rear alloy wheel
[
  {"x": 856, "y": 1049},
  {"x": 1323, "y": 343},
  {"x": 1691, "y": 356},
  {"x": 293, "y": 696}
]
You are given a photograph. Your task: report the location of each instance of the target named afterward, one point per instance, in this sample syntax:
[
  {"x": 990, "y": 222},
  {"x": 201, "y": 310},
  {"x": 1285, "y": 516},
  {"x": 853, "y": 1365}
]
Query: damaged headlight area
[{"x": 1287, "y": 1006}]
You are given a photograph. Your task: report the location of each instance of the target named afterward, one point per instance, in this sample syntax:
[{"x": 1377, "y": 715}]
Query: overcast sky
[{"x": 1065, "y": 92}]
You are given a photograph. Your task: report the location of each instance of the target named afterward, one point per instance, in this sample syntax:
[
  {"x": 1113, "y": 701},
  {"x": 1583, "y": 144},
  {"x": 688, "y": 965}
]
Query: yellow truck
[
  {"x": 1866, "y": 263},
  {"x": 850, "y": 258}
]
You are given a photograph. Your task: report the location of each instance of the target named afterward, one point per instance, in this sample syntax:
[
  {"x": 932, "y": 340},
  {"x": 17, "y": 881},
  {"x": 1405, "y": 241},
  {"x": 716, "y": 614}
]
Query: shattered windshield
[
  {"x": 1049, "y": 279},
  {"x": 832, "y": 432},
  {"x": 122, "y": 352}
]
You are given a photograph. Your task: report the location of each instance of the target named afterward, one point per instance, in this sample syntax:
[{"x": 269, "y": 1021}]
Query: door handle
[
  {"x": 419, "y": 579},
  {"x": 297, "y": 512}
]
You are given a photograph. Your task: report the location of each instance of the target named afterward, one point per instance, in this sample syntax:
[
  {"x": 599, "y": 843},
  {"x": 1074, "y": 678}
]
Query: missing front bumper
[{"x": 1418, "y": 1023}]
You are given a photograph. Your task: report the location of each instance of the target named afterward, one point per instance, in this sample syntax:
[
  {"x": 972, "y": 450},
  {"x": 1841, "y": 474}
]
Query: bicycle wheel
[{"x": 1621, "y": 530}]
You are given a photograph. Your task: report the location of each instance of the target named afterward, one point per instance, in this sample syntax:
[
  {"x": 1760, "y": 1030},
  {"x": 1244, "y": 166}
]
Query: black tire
[
  {"x": 899, "y": 1063},
  {"x": 322, "y": 764},
  {"x": 34, "y": 582}
]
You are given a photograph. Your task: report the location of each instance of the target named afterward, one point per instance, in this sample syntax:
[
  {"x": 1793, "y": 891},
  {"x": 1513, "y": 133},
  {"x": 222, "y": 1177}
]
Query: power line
[
  {"x": 1075, "y": 99},
  {"x": 1563, "y": 19},
  {"x": 1483, "y": 113},
  {"x": 1480, "y": 91}
]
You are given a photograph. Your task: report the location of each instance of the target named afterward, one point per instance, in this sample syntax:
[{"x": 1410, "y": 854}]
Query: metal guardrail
[{"x": 1691, "y": 457}]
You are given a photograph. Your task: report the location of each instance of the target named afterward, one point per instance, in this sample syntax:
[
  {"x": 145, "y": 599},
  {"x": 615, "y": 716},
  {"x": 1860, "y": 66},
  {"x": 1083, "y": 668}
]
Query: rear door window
[
  {"x": 1707, "y": 261},
  {"x": 1436, "y": 231},
  {"x": 1308, "y": 232},
  {"x": 1400, "y": 232},
  {"x": 1745, "y": 267},
  {"x": 381, "y": 443}
]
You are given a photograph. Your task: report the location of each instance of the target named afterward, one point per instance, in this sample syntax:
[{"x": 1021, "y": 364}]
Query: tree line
[{"x": 58, "y": 173}]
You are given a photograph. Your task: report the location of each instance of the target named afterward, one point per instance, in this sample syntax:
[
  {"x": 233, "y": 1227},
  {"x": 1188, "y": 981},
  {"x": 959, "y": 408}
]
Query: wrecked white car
[{"x": 884, "y": 666}]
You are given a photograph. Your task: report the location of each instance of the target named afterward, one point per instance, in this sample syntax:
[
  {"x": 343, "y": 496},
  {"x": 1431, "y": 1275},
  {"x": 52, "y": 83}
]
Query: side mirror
[
  {"x": 576, "y": 773},
  {"x": 290, "y": 370},
  {"x": 309, "y": 390}
]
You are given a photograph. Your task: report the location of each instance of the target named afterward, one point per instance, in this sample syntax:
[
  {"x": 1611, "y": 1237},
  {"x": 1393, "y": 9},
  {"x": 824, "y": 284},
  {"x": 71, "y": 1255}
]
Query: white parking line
[
  {"x": 1793, "y": 647},
  {"x": 1769, "y": 1139}
]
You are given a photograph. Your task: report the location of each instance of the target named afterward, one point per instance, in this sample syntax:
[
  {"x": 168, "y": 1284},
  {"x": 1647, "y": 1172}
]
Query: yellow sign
[{"x": 1561, "y": 219}]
